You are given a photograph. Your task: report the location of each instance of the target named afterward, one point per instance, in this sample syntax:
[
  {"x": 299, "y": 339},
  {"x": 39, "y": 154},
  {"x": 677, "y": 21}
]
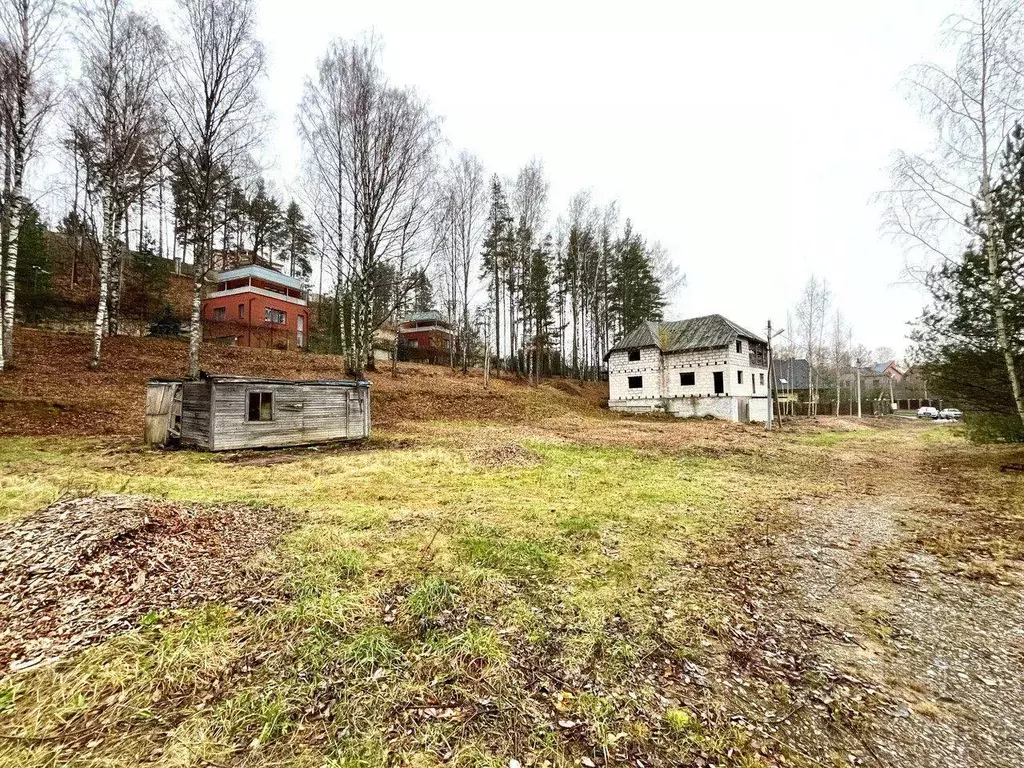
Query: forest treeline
[{"x": 159, "y": 137}]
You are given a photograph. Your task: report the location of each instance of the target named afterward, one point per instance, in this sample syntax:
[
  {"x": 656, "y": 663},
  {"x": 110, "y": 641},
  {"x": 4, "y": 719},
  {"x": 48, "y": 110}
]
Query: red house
[
  {"x": 425, "y": 336},
  {"x": 255, "y": 306}
]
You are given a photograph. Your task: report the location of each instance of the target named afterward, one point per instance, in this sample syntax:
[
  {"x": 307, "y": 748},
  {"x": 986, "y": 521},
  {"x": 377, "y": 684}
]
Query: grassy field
[
  {"x": 454, "y": 593},
  {"x": 496, "y": 578}
]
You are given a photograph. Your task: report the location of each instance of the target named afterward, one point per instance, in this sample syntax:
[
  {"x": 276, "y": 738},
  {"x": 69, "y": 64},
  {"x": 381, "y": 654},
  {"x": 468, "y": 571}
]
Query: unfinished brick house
[{"x": 703, "y": 366}]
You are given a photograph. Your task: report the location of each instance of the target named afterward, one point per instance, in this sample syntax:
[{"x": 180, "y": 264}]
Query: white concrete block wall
[
  {"x": 740, "y": 361},
  {"x": 759, "y": 409},
  {"x": 719, "y": 407},
  {"x": 620, "y": 368},
  {"x": 662, "y": 387},
  {"x": 703, "y": 364}
]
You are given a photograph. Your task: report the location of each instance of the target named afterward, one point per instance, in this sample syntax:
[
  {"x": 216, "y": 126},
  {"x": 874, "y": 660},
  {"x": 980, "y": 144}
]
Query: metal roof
[
  {"x": 792, "y": 373},
  {"x": 227, "y": 378},
  {"x": 254, "y": 270},
  {"x": 707, "y": 332}
]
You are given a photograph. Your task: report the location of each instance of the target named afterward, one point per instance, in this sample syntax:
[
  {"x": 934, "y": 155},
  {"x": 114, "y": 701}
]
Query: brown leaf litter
[
  {"x": 84, "y": 569},
  {"x": 506, "y": 456}
]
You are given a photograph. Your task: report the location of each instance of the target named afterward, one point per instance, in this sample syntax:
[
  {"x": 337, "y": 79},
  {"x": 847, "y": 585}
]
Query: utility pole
[
  {"x": 771, "y": 378},
  {"x": 858, "y": 388}
]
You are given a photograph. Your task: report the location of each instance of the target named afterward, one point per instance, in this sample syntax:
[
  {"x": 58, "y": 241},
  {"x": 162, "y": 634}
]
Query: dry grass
[
  {"x": 529, "y": 578},
  {"x": 50, "y": 391}
]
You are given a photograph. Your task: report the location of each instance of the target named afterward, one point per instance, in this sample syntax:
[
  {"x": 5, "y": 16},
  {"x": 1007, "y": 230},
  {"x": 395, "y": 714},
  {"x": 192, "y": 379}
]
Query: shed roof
[
  {"x": 707, "y": 332},
  {"x": 264, "y": 273},
  {"x": 215, "y": 377}
]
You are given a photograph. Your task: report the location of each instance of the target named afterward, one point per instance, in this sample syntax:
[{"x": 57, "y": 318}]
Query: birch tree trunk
[
  {"x": 195, "y": 333},
  {"x": 110, "y": 235}
]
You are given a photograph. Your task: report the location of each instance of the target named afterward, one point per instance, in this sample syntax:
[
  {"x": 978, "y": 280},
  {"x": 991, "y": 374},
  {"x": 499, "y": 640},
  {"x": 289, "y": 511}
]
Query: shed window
[
  {"x": 636, "y": 382},
  {"x": 739, "y": 377},
  {"x": 634, "y": 355},
  {"x": 219, "y": 313},
  {"x": 739, "y": 345},
  {"x": 687, "y": 379},
  {"x": 261, "y": 406}
]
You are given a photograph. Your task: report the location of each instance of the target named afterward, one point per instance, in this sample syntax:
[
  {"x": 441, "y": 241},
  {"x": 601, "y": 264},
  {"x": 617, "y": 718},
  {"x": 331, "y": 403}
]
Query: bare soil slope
[{"x": 50, "y": 390}]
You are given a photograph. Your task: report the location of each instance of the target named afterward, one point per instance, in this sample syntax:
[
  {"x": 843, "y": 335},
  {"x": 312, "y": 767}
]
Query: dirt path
[{"x": 946, "y": 652}]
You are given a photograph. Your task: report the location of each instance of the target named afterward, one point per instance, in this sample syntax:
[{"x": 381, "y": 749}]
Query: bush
[
  {"x": 994, "y": 428},
  {"x": 166, "y": 323}
]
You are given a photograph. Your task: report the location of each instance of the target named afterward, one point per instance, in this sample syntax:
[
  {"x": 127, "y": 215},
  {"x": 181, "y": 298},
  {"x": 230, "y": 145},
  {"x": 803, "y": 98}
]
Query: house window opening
[
  {"x": 273, "y": 316},
  {"x": 687, "y": 379},
  {"x": 739, "y": 377},
  {"x": 241, "y": 311},
  {"x": 739, "y": 345},
  {"x": 761, "y": 376},
  {"x": 719, "y": 382},
  {"x": 261, "y": 406},
  {"x": 634, "y": 355},
  {"x": 636, "y": 382},
  {"x": 219, "y": 314}
]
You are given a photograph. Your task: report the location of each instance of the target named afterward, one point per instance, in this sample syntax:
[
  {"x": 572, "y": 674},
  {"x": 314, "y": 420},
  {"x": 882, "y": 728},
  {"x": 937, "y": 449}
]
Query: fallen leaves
[{"x": 82, "y": 570}]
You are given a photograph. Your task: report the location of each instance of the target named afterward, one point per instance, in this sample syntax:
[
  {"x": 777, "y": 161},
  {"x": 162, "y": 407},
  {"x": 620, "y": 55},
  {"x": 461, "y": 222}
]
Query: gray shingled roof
[
  {"x": 706, "y": 332},
  {"x": 792, "y": 373}
]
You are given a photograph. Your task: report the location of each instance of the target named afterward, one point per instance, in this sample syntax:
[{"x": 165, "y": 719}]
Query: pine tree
[
  {"x": 296, "y": 241},
  {"x": 497, "y": 249}
]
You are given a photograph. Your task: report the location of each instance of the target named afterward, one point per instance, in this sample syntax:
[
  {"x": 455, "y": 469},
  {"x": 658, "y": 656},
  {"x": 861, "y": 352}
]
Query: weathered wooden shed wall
[
  {"x": 215, "y": 412},
  {"x": 195, "y": 414},
  {"x": 303, "y": 412}
]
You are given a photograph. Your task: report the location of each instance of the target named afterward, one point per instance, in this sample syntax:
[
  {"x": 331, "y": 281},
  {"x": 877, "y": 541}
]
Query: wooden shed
[{"x": 224, "y": 413}]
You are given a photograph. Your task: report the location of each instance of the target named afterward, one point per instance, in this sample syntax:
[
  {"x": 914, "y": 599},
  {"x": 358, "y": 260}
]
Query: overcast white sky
[{"x": 748, "y": 137}]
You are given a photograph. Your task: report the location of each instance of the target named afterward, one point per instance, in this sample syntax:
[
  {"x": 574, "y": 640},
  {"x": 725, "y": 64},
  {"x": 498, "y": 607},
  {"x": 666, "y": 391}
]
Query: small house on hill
[
  {"x": 703, "y": 366},
  {"x": 425, "y": 337},
  {"x": 254, "y": 306},
  {"x": 222, "y": 413}
]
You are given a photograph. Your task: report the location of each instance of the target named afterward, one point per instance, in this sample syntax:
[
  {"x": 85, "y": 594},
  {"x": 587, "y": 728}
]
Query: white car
[
  {"x": 953, "y": 414},
  {"x": 927, "y": 412}
]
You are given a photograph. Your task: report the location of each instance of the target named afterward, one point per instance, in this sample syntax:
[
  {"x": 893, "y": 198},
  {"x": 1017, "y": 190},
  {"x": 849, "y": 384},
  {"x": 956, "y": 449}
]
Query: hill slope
[{"x": 51, "y": 391}]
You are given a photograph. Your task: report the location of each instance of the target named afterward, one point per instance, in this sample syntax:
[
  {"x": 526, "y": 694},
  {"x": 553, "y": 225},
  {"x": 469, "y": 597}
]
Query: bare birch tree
[
  {"x": 839, "y": 353},
  {"x": 942, "y": 198},
  {"x": 122, "y": 54},
  {"x": 374, "y": 146},
  {"x": 215, "y": 112},
  {"x": 465, "y": 192},
  {"x": 29, "y": 36},
  {"x": 811, "y": 314}
]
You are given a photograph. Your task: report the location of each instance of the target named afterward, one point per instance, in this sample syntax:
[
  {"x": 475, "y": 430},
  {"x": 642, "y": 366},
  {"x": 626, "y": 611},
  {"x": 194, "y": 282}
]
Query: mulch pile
[
  {"x": 81, "y": 570},
  {"x": 507, "y": 456}
]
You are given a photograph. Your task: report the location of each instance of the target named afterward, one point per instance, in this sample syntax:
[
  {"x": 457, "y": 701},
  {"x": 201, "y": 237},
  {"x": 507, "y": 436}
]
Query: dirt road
[{"x": 946, "y": 651}]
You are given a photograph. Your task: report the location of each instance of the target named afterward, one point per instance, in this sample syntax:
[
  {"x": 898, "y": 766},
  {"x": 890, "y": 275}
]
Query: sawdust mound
[
  {"x": 81, "y": 570},
  {"x": 507, "y": 456}
]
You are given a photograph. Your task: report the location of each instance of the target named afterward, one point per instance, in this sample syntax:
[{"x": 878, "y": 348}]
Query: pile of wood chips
[{"x": 83, "y": 569}]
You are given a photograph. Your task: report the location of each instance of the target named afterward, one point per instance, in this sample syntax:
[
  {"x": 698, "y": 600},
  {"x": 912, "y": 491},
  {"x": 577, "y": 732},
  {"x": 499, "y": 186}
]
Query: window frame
[
  {"x": 693, "y": 379},
  {"x": 248, "y": 405},
  {"x": 269, "y": 314},
  {"x": 631, "y": 379}
]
